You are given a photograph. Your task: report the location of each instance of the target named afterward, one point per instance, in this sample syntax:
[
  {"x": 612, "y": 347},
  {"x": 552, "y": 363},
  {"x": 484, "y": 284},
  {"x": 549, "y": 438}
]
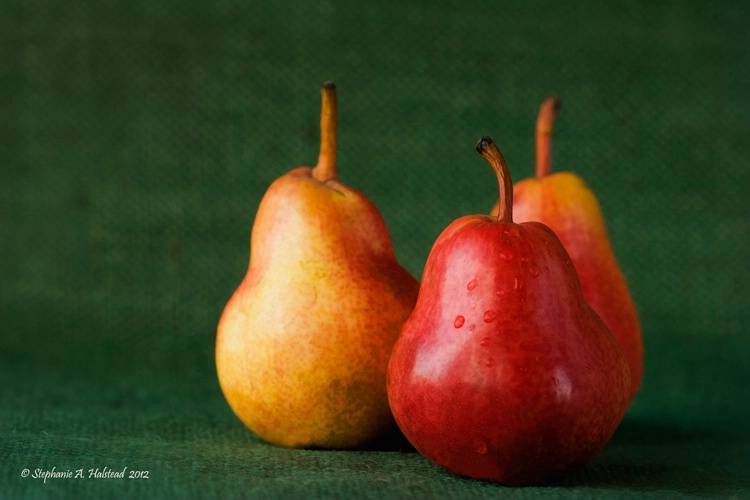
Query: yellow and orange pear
[
  {"x": 564, "y": 202},
  {"x": 303, "y": 345}
]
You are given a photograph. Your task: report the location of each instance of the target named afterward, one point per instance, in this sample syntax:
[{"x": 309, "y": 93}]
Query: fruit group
[
  {"x": 565, "y": 203},
  {"x": 503, "y": 371},
  {"x": 303, "y": 344}
]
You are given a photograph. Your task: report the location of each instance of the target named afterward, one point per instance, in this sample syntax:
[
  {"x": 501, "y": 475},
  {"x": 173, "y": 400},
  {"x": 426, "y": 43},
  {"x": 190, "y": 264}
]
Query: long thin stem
[
  {"x": 491, "y": 153},
  {"x": 326, "y": 167},
  {"x": 544, "y": 125}
]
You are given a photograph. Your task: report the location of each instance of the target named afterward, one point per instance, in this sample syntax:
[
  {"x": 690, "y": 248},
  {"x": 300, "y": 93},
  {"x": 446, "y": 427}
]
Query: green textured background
[{"x": 137, "y": 139}]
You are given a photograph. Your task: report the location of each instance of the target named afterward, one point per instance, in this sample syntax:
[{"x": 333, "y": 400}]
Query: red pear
[
  {"x": 565, "y": 203},
  {"x": 503, "y": 371}
]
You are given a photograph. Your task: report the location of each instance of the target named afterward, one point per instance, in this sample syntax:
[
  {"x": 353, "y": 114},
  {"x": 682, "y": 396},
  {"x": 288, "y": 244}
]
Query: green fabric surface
[{"x": 137, "y": 139}]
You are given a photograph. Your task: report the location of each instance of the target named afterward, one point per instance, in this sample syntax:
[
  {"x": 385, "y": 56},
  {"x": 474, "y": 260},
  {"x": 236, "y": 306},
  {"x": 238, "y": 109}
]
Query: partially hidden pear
[
  {"x": 303, "y": 345},
  {"x": 564, "y": 202},
  {"x": 503, "y": 371}
]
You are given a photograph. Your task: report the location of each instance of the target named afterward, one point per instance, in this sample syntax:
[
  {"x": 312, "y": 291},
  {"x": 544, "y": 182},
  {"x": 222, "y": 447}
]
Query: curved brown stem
[
  {"x": 491, "y": 153},
  {"x": 326, "y": 167}
]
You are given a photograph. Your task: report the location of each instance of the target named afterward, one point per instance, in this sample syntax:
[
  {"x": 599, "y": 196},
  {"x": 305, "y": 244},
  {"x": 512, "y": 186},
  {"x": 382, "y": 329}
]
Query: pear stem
[
  {"x": 491, "y": 153},
  {"x": 325, "y": 169},
  {"x": 544, "y": 125}
]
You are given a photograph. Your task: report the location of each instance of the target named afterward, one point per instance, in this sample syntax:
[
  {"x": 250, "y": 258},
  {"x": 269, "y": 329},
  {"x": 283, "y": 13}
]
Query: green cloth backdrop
[{"x": 137, "y": 139}]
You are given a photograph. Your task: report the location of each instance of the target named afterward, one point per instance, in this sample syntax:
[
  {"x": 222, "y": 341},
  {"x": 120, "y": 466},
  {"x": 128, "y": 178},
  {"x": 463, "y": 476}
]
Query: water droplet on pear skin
[
  {"x": 472, "y": 285},
  {"x": 506, "y": 237},
  {"x": 517, "y": 283},
  {"x": 489, "y": 363},
  {"x": 484, "y": 342},
  {"x": 489, "y": 316},
  {"x": 459, "y": 321},
  {"x": 506, "y": 255},
  {"x": 534, "y": 270},
  {"x": 481, "y": 446}
]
